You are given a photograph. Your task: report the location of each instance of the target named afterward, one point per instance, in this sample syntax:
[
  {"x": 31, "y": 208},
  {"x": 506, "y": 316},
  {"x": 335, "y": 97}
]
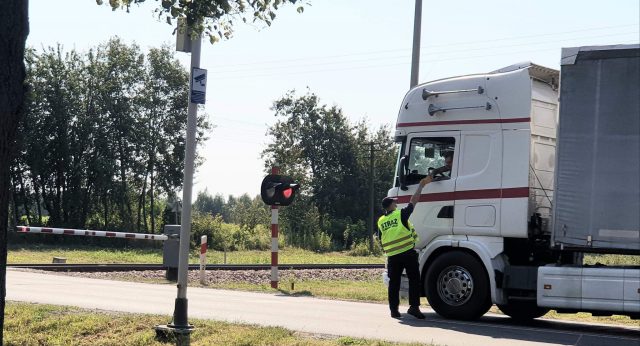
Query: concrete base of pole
[
  {"x": 170, "y": 334},
  {"x": 178, "y": 331}
]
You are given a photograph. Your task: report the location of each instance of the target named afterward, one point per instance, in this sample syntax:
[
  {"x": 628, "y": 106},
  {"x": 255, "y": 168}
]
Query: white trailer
[{"x": 486, "y": 228}]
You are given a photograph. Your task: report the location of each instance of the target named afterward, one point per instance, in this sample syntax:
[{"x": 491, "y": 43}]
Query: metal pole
[
  {"x": 274, "y": 239},
  {"x": 415, "y": 58},
  {"x": 180, "y": 319},
  {"x": 371, "y": 197}
]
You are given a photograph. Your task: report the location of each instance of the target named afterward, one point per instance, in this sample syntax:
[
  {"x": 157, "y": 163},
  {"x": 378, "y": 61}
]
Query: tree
[
  {"x": 204, "y": 203},
  {"x": 320, "y": 148},
  {"x": 14, "y": 28},
  {"x": 211, "y": 17}
]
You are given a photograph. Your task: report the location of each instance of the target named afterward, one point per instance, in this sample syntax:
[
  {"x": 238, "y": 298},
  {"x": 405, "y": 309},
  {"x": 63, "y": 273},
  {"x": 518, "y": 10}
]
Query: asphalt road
[{"x": 307, "y": 314}]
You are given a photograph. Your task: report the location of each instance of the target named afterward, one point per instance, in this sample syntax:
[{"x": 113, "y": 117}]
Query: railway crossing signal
[{"x": 279, "y": 190}]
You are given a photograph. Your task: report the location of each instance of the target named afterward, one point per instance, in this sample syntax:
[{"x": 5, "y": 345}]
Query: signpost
[
  {"x": 180, "y": 327},
  {"x": 198, "y": 85}
]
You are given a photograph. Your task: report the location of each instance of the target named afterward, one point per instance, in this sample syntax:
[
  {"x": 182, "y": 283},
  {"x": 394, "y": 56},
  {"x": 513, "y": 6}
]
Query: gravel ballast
[{"x": 255, "y": 277}]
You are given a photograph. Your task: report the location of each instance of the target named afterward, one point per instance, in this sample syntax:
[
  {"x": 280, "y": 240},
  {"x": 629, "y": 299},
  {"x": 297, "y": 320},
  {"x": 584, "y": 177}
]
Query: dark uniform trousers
[{"x": 395, "y": 264}]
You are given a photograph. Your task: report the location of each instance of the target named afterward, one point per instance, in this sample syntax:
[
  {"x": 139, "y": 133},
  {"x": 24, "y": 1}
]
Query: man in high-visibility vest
[{"x": 398, "y": 239}]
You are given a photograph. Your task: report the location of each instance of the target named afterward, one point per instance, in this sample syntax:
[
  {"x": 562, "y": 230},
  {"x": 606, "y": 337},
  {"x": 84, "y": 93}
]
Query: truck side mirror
[{"x": 402, "y": 175}]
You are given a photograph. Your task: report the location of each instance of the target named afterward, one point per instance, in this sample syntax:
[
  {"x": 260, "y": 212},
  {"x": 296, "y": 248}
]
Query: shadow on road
[
  {"x": 288, "y": 293},
  {"x": 556, "y": 332}
]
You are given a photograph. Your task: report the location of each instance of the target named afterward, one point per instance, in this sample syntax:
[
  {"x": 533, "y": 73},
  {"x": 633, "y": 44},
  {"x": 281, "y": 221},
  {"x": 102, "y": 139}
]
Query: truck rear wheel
[
  {"x": 523, "y": 310},
  {"x": 457, "y": 286}
]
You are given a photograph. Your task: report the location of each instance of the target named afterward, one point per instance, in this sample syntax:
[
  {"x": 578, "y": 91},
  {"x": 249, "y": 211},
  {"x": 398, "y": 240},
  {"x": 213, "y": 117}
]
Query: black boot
[
  {"x": 395, "y": 314},
  {"x": 415, "y": 312}
]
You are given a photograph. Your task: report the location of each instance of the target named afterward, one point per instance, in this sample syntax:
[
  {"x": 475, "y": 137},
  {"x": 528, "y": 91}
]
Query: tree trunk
[
  {"x": 152, "y": 200},
  {"x": 144, "y": 205},
  {"x": 14, "y": 205},
  {"x": 14, "y": 28},
  {"x": 141, "y": 201},
  {"x": 36, "y": 189},
  {"x": 25, "y": 199},
  {"x": 105, "y": 202}
]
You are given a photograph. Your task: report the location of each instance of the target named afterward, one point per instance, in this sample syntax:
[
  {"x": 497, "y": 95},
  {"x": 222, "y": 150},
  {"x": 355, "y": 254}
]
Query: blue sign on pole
[{"x": 198, "y": 85}]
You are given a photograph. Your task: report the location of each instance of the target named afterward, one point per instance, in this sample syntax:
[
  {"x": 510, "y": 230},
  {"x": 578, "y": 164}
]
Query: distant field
[
  {"x": 76, "y": 254},
  {"x": 35, "y": 324}
]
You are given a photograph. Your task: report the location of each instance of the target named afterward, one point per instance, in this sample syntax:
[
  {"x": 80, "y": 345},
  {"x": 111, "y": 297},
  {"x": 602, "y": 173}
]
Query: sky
[{"x": 355, "y": 54}]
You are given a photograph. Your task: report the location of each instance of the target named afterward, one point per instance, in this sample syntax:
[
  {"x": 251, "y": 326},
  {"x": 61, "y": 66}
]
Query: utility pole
[
  {"x": 180, "y": 313},
  {"x": 371, "y": 195},
  {"x": 415, "y": 57},
  {"x": 187, "y": 41}
]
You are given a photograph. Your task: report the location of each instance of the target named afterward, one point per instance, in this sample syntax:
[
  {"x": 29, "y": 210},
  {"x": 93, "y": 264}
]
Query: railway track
[{"x": 140, "y": 267}]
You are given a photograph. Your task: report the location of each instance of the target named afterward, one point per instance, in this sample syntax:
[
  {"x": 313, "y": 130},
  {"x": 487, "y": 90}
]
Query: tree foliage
[
  {"x": 212, "y": 18},
  {"x": 103, "y": 137},
  {"x": 329, "y": 156}
]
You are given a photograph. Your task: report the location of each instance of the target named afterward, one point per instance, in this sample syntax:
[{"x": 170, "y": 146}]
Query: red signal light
[{"x": 287, "y": 192}]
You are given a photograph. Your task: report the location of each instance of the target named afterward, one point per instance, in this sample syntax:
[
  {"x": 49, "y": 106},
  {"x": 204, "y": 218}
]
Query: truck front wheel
[{"x": 457, "y": 286}]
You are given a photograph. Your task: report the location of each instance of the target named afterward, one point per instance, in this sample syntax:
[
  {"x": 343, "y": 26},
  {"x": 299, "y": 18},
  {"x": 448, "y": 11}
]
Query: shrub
[{"x": 361, "y": 248}]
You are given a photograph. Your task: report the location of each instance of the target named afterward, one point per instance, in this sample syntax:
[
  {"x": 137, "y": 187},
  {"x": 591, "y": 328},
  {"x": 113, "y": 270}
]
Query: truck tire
[
  {"x": 523, "y": 310},
  {"x": 457, "y": 286}
]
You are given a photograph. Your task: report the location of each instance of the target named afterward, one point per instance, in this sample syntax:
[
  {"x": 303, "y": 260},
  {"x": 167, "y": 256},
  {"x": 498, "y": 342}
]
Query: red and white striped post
[
  {"x": 274, "y": 239},
  {"x": 203, "y": 259}
]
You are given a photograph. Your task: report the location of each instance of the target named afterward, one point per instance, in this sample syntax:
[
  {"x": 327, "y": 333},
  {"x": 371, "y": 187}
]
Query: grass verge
[
  {"x": 34, "y": 324},
  {"x": 86, "y": 254}
]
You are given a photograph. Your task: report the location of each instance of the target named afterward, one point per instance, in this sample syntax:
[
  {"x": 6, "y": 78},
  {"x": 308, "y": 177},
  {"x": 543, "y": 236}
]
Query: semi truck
[{"x": 543, "y": 168}]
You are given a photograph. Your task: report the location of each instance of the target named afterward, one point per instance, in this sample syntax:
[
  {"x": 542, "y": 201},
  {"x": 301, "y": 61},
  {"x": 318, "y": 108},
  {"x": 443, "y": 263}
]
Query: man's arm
[{"x": 416, "y": 196}]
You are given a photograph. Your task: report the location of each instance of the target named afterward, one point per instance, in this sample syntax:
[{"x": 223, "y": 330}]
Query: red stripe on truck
[{"x": 517, "y": 192}]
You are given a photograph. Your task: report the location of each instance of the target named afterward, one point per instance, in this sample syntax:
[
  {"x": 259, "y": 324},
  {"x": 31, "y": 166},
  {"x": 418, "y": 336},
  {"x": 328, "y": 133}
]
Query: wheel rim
[{"x": 455, "y": 285}]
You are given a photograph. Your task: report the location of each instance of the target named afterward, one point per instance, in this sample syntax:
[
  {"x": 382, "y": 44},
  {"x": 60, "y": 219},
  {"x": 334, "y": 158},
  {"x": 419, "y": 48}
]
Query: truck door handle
[{"x": 446, "y": 212}]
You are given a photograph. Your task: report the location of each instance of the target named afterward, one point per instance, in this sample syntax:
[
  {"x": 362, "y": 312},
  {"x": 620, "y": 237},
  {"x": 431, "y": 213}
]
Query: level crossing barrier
[
  {"x": 170, "y": 239},
  {"x": 89, "y": 233}
]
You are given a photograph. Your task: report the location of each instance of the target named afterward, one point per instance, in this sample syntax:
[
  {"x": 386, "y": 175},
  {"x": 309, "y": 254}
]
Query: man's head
[
  {"x": 448, "y": 159},
  {"x": 389, "y": 204}
]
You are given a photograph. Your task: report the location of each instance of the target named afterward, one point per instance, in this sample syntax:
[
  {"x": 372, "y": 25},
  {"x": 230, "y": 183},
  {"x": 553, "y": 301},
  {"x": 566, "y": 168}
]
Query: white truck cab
[{"x": 484, "y": 224}]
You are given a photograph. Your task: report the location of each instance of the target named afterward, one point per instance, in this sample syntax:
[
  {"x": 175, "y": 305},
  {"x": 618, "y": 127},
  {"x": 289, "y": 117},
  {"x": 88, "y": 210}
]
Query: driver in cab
[{"x": 446, "y": 169}]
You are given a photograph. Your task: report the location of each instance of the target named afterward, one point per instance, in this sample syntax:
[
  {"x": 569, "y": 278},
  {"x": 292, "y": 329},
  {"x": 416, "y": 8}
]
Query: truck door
[
  {"x": 424, "y": 152},
  {"x": 478, "y": 184}
]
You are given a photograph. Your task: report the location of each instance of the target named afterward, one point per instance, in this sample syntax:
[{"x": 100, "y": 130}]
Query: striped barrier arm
[{"x": 90, "y": 233}]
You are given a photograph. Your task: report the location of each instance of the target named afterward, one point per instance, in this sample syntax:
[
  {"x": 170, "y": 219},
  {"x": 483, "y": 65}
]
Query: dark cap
[{"x": 386, "y": 202}]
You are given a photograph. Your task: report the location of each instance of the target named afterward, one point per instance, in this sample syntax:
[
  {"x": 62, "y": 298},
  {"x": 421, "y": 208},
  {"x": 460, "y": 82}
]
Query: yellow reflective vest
[{"x": 395, "y": 237}]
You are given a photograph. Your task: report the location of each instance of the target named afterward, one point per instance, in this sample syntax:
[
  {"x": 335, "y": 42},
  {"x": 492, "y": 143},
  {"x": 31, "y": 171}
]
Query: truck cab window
[{"x": 428, "y": 155}]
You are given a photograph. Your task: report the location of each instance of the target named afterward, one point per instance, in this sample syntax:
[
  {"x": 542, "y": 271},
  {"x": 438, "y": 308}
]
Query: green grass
[
  {"x": 369, "y": 291},
  {"x": 85, "y": 254},
  {"x": 34, "y": 324}
]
